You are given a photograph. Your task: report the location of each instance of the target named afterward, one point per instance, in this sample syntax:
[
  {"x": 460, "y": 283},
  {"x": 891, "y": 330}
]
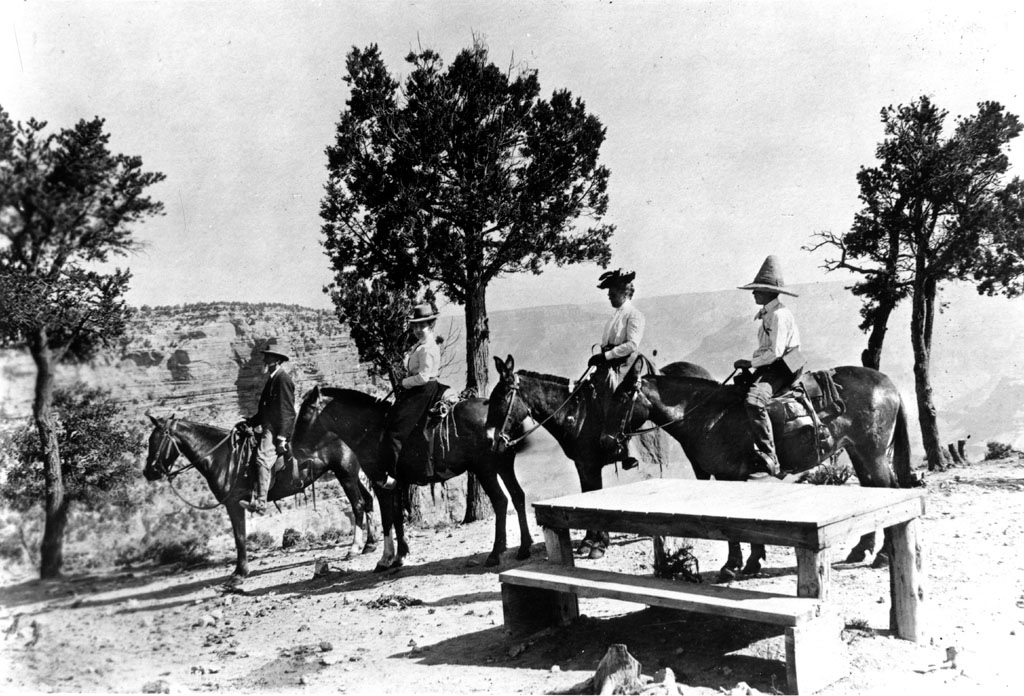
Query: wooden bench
[{"x": 539, "y": 595}]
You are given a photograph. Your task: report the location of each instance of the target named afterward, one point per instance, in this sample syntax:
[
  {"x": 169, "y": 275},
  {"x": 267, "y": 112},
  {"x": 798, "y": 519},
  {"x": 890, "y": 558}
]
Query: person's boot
[
  {"x": 258, "y": 506},
  {"x": 766, "y": 468}
]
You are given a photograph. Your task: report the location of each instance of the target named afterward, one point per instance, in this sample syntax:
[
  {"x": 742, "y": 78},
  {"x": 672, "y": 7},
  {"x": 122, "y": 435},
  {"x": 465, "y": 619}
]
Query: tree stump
[{"x": 617, "y": 673}]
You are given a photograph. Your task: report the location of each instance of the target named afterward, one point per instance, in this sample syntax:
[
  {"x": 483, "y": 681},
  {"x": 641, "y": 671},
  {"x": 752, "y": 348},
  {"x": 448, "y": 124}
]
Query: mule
[
  {"x": 212, "y": 452},
  {"x": 709, "y": 420},
  {"x": 572, "y": 416},
  {"x": 358, "y": 420}
]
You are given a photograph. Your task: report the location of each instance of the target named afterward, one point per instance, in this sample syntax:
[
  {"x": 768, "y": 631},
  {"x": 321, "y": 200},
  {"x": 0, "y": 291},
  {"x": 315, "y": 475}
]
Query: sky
[{"x": 734, "y": 129}]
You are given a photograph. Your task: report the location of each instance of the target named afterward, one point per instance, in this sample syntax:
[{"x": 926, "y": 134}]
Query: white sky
[{"x": 735, "y": 129}]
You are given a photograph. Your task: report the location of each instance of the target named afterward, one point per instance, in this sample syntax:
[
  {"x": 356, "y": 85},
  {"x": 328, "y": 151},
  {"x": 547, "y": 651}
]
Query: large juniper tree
[
  {"x": 457, "y": 176},
  {"x": 66, "y": 206},
  {"x": 935, "y": 209}
]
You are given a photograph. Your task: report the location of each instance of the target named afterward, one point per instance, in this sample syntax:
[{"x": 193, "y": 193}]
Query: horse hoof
[
  {"x": 596, "y": 552},
  {"x": 752, "y": 569},
  {"x": 493, "y": 560},
  {"x": 381, "y": 568},
  {"x": 881, "y": 561},
  {"x": 369, "y": 548},
  {"x": 584, "y": 548},
  {"x": 523, "y": 554},
  {"x": 234, "y": 581},
  {"x": 856, "y": 556},
  {"x": 726, "y": 575}
]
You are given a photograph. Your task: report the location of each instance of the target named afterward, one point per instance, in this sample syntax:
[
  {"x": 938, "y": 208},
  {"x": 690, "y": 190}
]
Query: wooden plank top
[{"x": 771, "y": 513}]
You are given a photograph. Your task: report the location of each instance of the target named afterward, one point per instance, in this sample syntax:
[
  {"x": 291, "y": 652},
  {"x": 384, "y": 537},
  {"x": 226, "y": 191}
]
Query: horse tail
[{"x": 901, "y": 451}]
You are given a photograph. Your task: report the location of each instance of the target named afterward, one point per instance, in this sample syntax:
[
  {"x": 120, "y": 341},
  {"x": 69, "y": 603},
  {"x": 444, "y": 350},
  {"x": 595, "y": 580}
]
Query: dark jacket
[{"x": 276, "y": 410}]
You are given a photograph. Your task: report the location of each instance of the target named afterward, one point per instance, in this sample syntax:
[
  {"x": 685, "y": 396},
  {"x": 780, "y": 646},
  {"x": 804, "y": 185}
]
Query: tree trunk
[
  {"x": 478, "y": 507},
  {"x": 872, "y": 355},
  {"x": 921, "y": 323},
  {"x": 51, "y": 551}
]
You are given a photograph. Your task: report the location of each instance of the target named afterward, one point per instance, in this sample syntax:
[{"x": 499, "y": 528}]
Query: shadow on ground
[{"x": 701, "y": 650}]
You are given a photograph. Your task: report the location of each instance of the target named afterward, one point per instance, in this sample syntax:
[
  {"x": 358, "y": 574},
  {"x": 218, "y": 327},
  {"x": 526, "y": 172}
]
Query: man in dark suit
[{"x": 273, "y": 422}]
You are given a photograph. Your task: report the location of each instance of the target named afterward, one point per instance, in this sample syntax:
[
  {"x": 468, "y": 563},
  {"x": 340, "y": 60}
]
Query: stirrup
[{"x": 388, "y": 483}]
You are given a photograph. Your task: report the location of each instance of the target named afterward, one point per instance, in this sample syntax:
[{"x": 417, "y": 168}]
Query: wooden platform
[{"x": 542, "y": 594}]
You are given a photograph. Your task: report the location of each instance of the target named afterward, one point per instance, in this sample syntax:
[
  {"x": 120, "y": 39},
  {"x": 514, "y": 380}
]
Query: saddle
[
  {"x": 800, "y": 416},
  {"x": 423, "y": 453}
]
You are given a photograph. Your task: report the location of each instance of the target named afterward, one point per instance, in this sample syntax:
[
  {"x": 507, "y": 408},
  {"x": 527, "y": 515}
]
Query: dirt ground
[{"x": 435, "y": 626}]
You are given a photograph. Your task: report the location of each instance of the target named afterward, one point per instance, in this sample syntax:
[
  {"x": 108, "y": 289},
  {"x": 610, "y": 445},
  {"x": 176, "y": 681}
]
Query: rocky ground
[{"x": 435, "y": 626}]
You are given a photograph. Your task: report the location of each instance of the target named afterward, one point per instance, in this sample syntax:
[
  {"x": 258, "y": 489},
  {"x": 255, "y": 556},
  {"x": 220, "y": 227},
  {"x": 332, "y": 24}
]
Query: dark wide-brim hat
[
  {"x": 421, "y": 313},
  {"x": 769, "y": 278},
  {"x": 270, "y": 352},
  {"x": 615, "y": 279}
]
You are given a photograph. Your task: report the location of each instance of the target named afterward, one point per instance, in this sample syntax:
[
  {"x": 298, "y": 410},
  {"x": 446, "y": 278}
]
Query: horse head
[
  {"x": 629, "y": 408},
  {"x": 309, "y": 411},
  {"x": 163, "y": 448},
  {"x": 503, "y": 408}
]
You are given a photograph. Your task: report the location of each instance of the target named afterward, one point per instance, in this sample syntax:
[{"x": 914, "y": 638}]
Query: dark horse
[
  {"x": 357, "y": 420},
  {"x": 212, "y": 452},
  {"x": 709, "y": 421},
  {"x": 573, "y": 417}
]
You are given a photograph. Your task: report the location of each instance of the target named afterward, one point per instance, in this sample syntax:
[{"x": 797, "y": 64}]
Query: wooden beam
[
  {"x": 907, "y": 576},
  {"x": 813, "y": 573}
]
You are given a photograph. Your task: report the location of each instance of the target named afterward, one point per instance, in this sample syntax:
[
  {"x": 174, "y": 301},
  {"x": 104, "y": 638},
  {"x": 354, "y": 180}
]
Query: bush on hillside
[
  {"x": 290, "y": 538},
  {"x": 256, "y": 541},
  {"x": 997, "y": 450}
]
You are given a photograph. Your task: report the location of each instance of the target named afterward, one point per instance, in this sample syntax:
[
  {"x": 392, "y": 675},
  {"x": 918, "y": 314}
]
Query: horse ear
[
  {"x": 637, "y": 368},
  {"x": 153, "y": 418},
  {"x": 500, "y": 365},
  {"x": 510, "y": 364}
]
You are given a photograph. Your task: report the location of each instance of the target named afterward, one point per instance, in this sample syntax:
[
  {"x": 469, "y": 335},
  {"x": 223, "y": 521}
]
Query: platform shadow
[{"x": 702, "y": 651}]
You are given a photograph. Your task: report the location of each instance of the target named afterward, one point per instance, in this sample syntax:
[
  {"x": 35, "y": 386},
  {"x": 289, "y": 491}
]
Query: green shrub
[
  {"x": 189, "y": 551},
  {"x": 997, "y": 450},
  {"x": 290, "y": 538},
  {"x": 332, "y": 534},
  {"x": 835, "y": 473},
  {"x": 259, "y": 540},
  {"x": 11, "y": 549}
]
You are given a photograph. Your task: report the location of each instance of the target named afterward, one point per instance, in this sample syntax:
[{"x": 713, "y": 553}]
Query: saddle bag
[{"x": 799, "y": 420}]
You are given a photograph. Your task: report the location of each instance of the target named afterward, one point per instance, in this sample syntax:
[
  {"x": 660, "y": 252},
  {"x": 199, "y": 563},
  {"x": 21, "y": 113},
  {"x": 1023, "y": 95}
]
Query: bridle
[
  {"x": 622, "y": 435},
  {"x": 163, "y": 464},
  {"x": 513, "y": 391}
]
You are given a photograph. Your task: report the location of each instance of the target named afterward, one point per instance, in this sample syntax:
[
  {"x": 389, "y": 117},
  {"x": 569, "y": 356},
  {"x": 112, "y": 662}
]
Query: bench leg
[
  {"x": 815, "y": 654},
  {"x": 559, "y": 545},
  {"x": 906, "y": 583},
  {"x": 531, "y": 609},
  {"x": 813, "y": 573}
]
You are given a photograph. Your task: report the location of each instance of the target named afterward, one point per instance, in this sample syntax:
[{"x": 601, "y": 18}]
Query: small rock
[
  {"x": 328, "y": 660},
  {"x": 326, "y": 646},
  {"x": 556, "y": 668},
  {"x": 218, "y": 614},
  {"x": 131, "y": 604},
  {"x": 206, "y": 620},
  {"x": 157, "y": 686},
  {"x": 303, "y": 681}
]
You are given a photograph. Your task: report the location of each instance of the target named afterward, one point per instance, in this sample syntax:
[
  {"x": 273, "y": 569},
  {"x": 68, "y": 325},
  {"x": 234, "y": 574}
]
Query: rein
[
  {"x": 169, "y": 439},
  {"x": 514, "y": 389},
  {"x": 632, "y": 404}
]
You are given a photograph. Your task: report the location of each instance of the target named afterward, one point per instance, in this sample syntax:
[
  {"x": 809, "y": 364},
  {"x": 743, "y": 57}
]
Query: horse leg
[
  {"x": 237, "y": 516},
  {"x": 873, "y": 471},
  {"x": 400, "y": 540},
  {"x": 357, "y": 512},
  {"x": 387, "y": 514},
  {"x": 515, "y": 491},
  {"x": 372, "y": 528},
  {"x": 594, "y": 541},
  {"x": 489, "y": 482},
  {"x": 757, "y": 554},
  {"x": 732, "y": 564}
]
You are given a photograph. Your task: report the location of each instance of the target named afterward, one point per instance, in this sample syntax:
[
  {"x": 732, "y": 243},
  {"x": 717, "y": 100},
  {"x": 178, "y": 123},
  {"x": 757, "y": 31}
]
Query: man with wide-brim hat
[
  {"x": 415, "y": 393},
  {"x": 620, "y": 340},
  {"x": 273, "y": 422},
  {"x": 775, "y": 363}
]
